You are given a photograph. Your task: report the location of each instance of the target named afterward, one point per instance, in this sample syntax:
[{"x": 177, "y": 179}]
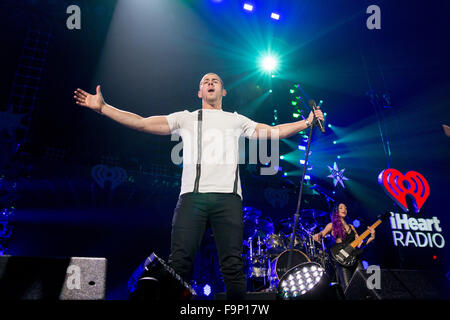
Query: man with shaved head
[{"x": 210, "y": 184}]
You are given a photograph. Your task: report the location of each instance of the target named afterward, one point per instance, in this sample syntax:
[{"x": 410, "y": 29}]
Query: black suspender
[
  {"x": 199, "y": 149},
  {"x": 236, "y": 177}
]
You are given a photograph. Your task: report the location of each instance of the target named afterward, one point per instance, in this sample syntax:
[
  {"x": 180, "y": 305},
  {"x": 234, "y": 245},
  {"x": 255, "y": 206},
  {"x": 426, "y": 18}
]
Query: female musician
[{"x": 342, "y": 231}]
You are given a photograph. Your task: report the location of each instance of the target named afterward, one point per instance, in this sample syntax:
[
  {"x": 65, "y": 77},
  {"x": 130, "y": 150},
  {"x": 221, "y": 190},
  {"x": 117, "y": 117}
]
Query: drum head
[{"x": 281, "y": 263}]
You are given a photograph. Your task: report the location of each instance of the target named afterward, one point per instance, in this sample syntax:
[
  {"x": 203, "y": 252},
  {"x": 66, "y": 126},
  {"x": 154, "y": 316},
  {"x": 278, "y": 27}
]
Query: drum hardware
[{"x": 268, "y": 252}]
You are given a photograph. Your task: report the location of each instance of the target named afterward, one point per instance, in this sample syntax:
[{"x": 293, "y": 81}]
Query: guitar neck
[{"x": 364, "y": 235}]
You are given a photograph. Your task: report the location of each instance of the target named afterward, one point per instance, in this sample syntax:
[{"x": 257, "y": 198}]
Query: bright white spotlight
[
  {"x": 269, "y": 63},
  {"x": 275, "y": 16},
  {"x": 302, "y": 279},
  {"x": 248, "y": 7}
]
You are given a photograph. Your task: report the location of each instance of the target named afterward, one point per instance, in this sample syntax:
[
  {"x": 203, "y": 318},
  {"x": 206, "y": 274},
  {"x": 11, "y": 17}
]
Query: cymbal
[
  {"x": 313, "y": 213},
  {"x": 258, "y": 227},
  {"x": 264, "y": 227},
  {"x": 250, "y": 213}
]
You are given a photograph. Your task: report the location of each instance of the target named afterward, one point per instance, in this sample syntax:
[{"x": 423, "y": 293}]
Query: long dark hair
[{"x": 337, "y": 225}]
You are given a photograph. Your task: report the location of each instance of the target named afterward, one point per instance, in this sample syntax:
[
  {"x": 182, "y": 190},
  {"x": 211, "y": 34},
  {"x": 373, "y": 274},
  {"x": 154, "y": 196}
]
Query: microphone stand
[{"x": 296, "y": 216}]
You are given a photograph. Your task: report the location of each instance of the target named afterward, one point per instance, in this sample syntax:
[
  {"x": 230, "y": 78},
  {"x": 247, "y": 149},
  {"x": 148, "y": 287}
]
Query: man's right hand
[{"x": 94, "y": 102}]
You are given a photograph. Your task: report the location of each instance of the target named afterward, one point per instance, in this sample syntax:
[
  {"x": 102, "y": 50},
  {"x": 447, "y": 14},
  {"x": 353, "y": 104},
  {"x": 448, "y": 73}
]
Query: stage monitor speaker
[
  {"x": 37, "y": 278},
  {"x": 398, "y": 284},
  {"x": 156, "y": 280}
]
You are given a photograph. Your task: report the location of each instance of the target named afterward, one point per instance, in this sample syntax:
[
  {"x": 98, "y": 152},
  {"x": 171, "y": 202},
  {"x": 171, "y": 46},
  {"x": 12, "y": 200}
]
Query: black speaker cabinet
[
  {"x": 36, "y": 278},
  {"x": 398, "y": 284}
]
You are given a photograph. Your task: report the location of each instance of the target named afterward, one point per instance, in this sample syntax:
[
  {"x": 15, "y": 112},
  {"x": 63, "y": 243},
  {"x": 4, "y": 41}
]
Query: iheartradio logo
[{"x": 399, "y": 186}]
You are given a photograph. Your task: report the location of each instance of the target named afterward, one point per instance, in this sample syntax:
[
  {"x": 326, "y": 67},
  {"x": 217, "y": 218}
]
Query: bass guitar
[{"x": 346, "y": 253}]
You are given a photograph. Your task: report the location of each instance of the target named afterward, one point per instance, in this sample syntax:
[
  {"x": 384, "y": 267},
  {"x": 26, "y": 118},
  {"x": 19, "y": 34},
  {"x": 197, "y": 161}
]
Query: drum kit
[{"x": 266, "y": 252}]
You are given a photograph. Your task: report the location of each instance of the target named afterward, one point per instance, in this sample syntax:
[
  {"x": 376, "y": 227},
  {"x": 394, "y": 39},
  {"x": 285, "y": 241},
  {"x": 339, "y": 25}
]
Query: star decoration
[{"x": 337, "y": 175}]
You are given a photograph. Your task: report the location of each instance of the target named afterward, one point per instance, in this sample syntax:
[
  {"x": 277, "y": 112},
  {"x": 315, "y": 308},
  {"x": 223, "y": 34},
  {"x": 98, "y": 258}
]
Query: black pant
[
  {"x": 224, "y": 213},
  {"x": 345, "y": 273}
]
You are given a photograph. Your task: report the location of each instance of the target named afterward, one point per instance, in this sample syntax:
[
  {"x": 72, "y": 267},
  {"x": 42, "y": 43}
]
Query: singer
[{"x": 210, "y": 192}]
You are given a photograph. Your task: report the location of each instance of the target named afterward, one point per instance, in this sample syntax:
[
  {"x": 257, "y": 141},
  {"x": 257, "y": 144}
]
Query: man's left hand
[{"x": 318, "y": 113}]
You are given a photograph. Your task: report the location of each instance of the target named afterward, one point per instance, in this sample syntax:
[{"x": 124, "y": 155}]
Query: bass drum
[{"x": 279, "y": 265}]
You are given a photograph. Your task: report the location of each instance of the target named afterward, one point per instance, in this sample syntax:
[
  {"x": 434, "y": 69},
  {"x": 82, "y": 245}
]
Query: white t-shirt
[{"x": 220, "y": 132}]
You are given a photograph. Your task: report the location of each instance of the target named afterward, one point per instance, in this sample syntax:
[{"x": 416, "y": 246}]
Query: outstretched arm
[
  {"x": 287, "y": 129},
  {"x": 156, "y": 124}
]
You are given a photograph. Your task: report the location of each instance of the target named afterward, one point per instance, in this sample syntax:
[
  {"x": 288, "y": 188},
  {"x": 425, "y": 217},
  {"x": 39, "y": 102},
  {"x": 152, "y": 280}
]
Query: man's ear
[
  {"x": 199, "y": 94},
  {"x": 224, "y": 93}
]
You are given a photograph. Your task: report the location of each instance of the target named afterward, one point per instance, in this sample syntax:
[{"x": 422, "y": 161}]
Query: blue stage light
[
  {"x": 365, "y": 264},
  {"x": 356, "y": 223},
  {"x": 329, "y": 125},
  {"x": 207, "y": 290}
]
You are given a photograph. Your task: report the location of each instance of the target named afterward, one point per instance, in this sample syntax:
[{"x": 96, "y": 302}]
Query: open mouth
[{"x": 211, "y": 90}]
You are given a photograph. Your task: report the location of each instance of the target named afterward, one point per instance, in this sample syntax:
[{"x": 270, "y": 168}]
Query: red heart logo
[{"x": 398, "y": 186}]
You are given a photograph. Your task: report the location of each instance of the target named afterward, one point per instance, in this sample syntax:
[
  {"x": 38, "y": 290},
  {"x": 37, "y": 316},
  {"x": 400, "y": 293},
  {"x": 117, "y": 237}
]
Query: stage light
[
  {"x": 270, "y": 91},
  {"x": 302, "y": 161},
  {"x": 294, "y": 103},
  {"x": 338, "y": 157},
  {"x": 334, "y": 142},
  {"x": 356, "y": 223},
  {"x": 307, "y": 177},
  {"x": 248, "y": 7},
  {"x": 296, "y": 115},
  {"x": 207, "y": 290},
  {"x": 281, "y": 157},
  {"x": 275, "y": 16},
  {"x": 285, "y": 174},
  {"x": 269, "y": 63},
  {"x": 301, "y": 147},
  {"x": 300, "y": 280},
  {"x": 329, "y": 125},
  {"x": 291, "y": 91},
  {"x": 365, "y": 264}
]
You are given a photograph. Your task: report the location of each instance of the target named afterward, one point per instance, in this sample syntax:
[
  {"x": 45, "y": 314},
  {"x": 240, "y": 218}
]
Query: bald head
[
  {"x": 210, "y": 76},
  {"x": 211, "y": 91}
]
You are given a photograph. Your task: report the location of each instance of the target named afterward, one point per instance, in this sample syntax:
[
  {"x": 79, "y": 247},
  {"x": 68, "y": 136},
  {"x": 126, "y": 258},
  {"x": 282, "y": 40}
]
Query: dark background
[{"x": 149, "y": 57}]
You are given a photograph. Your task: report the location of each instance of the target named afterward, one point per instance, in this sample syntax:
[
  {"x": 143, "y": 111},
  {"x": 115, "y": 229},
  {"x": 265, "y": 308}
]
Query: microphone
[{"x": 313, "y": 106}]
